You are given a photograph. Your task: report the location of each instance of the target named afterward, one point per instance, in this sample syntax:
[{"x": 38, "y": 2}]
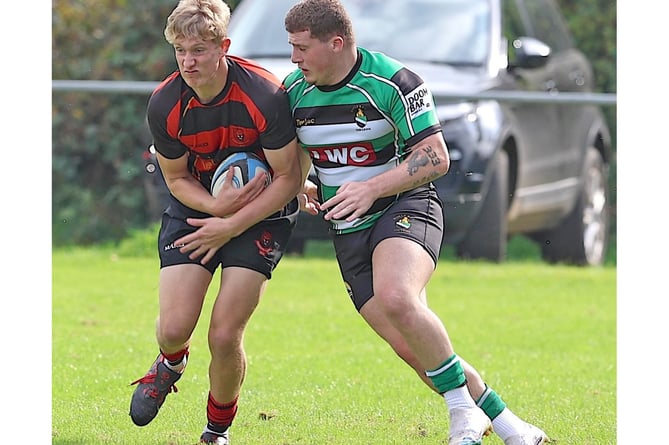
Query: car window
[
  {"x": 257, "y": 30},
  {"x": 444, "y": 31},
  {"x": 547, "y": 24},
  {"x": 512, "y": 22}
]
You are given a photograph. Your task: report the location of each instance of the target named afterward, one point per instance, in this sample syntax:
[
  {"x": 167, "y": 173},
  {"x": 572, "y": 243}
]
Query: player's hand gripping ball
[{"x": 244, "y": 167}]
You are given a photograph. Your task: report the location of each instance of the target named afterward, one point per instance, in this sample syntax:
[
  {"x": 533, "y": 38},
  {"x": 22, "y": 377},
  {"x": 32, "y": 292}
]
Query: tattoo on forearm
[
  {"x": 415, "y": 162},
  {"x": 432, "y": 155},
  {"x": 425, "y": 156}
]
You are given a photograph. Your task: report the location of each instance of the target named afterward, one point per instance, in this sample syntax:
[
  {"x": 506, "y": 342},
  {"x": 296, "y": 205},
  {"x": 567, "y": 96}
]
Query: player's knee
[
  {"x": 395, "y": 303},
  {"x": 223, "y": 340},
  {"x": 171, "y": 336}
]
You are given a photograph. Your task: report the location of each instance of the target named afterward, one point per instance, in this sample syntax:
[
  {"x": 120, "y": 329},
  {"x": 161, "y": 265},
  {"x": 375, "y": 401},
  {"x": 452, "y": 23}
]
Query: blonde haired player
[{"x": 215, "y": 104}]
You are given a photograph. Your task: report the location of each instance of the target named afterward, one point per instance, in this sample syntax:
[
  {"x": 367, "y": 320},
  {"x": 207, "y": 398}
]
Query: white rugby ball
[{"x": 244, "y": 166}]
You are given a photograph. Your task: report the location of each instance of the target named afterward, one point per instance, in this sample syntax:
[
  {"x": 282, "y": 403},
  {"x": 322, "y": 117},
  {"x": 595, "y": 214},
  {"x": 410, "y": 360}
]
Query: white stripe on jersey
[
  {"x": 334, "y": 177},
  {"x": 342, "y": 133},
  {"x": 342, "y": 224}
]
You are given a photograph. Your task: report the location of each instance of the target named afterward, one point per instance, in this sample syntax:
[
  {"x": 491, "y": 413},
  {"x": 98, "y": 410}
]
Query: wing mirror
[{"x": 528, "y": 53}]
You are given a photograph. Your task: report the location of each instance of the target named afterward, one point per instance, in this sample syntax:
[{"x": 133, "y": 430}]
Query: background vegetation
[{"x": 98, "y": 139}]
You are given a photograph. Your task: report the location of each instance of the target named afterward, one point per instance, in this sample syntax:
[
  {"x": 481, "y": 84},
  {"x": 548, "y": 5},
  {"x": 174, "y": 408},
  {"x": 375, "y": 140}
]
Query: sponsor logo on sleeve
[{"x": 420, "y": 101}]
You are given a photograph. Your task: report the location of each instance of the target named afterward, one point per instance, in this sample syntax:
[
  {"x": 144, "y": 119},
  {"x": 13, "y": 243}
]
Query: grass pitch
[{"x": 544, "y": 337}]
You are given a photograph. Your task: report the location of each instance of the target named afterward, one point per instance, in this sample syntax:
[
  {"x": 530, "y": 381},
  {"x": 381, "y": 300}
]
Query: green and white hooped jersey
[{"x": 362, "y": 126}]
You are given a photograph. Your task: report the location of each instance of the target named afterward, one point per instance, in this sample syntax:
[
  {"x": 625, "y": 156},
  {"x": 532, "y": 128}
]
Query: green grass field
[{"x": 544, "y": 337}]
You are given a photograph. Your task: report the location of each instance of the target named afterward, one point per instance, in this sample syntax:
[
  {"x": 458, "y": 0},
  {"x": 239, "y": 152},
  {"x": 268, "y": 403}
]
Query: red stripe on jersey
[
  {"x": 259, "y": 70},
  {"x": 226, "y": 135},
  {"x": 174, "y": 120},
  {"x": 211, "y": 141},
  {"x": 238, "y": 95},
  {"x": 167, "y": 80},
  {"x": 233, "y": 122}
]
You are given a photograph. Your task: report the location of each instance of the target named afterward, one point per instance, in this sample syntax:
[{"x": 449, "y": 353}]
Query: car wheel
[
  {"x": 487, "y": 237},
  {"x": 582, "y": 237}
]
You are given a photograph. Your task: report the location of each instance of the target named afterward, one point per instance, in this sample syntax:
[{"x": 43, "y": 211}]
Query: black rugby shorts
[
  {"x": 417, "y": 215},
  {"x": 259, "y": 248}
]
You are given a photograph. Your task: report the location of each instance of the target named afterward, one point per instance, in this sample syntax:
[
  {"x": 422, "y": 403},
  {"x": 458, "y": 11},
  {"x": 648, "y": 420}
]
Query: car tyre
[
  {"x": 486, "y": 239},
  {"x": 582, "y": 238}
]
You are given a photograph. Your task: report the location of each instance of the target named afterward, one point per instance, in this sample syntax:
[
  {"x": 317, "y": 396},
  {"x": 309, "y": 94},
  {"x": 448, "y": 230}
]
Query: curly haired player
[{"x": 369, "y": 127}]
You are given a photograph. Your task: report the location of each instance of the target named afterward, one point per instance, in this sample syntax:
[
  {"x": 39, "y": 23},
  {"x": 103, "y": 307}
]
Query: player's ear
[
  {"x": 337, "y": 43},
  {"x": 225, "y": 45}
]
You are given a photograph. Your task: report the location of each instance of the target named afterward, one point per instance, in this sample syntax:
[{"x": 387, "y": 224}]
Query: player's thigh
[
  {"x": 354, "y": 255},
  {"x": 238, "y": 296},
  {"x": 401, "y": 266},
  {"x": 406, "y": 241},
  {"x": 182, "y": 290}
]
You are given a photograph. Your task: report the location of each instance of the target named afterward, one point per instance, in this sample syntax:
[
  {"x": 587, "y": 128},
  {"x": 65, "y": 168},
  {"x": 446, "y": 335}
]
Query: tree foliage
[
  {"x": 98, "y": 173},
  {"x": 98, "y": 139}
]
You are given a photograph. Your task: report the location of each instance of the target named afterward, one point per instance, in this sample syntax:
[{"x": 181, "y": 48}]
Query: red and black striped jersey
[{"x": 249, "y": 114}]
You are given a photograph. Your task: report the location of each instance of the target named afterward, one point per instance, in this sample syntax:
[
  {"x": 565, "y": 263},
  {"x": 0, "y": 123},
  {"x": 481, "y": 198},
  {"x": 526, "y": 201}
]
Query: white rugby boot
[
  {"x": 468, "y": 426},
  {"x": 531, "y": 436}
]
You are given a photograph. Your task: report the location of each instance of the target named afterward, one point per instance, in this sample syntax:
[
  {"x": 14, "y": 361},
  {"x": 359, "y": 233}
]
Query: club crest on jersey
[
  {"x": 419, "y": 101},
  {"x": 402, "y": 223},
  {"x": 360, "y": 118}
]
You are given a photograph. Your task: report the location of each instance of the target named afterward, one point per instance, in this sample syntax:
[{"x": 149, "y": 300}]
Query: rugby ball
[{"x": 244, "y": 167}]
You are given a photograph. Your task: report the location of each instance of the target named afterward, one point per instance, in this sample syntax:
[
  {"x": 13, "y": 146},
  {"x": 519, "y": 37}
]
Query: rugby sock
[
  {"x": 491, "y": 403},
  {"x": 449, "y": 379},
  {"x": 505, "y": 423},
  {"x": 216, "y": 429},
  {"x": 177, "y": 361},
  {"x": 220, "y": 416}
]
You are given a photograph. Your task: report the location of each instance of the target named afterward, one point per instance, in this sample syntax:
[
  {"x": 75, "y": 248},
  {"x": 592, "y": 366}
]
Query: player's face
[
  {"x": 316, "y": 59},
  {"x": 200, "y": 62}
]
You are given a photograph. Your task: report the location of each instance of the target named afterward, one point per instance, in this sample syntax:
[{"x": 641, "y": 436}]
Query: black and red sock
[{"x": 220, "y": 415}]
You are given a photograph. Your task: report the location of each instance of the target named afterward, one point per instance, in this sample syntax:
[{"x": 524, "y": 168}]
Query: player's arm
[
  {"x": 285, "y": 185},
  {"x": 427, "y": 160},
  {"x": 191, "y": 193},
  {"x": 308, "y": 196},
  {"x": 305, "y": 163},
  {"x": 182, "y": 184},
  {"x": 212, "y": 233}
]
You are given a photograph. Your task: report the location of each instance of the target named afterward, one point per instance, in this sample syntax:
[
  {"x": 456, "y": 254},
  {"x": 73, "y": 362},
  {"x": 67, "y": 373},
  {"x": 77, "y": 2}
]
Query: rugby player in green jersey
[{"x": 369, "y": 127}]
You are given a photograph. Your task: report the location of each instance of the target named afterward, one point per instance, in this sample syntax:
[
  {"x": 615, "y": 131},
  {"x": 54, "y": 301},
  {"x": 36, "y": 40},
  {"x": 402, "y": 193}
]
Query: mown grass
[{"x": 543, "y": 336}]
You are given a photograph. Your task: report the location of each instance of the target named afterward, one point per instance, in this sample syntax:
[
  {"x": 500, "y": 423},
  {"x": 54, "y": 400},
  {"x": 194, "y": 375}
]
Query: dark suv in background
[{"x": 533, "y": 168}]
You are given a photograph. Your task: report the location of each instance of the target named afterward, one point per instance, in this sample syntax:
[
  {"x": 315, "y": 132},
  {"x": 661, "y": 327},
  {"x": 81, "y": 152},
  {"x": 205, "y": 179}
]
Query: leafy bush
[
  {"x": 98, "y": 139},
  {"x": 140, "y": 243}
]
